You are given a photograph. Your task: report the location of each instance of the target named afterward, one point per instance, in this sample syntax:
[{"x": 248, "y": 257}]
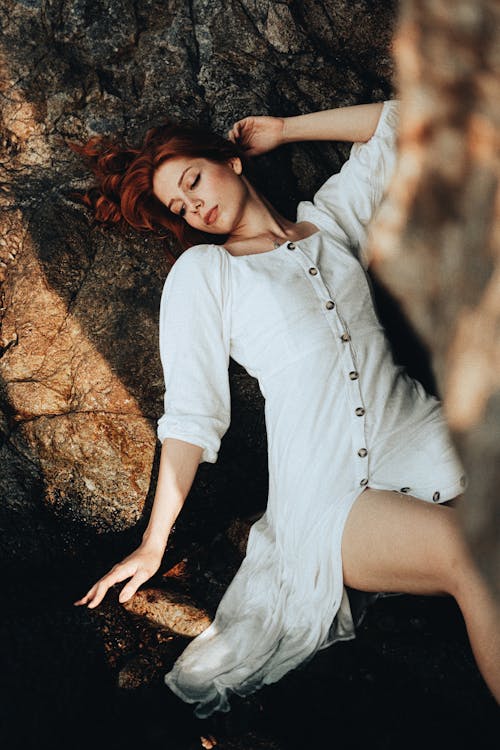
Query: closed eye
[{"x": 182, "y": 211}]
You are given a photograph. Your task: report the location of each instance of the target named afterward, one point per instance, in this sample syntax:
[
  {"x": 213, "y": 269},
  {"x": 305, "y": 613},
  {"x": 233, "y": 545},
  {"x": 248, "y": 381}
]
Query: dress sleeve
[
  {"x": 351, "y": 197},
  {"x": 194, "y": 350}
]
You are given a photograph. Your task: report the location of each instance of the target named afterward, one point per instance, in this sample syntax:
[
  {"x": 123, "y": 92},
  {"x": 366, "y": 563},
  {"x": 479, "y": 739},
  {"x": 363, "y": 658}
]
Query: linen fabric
[{"x": 340, "y": 416}]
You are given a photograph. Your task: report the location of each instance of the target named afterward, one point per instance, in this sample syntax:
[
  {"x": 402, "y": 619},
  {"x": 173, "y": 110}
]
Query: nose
[{"x": 194, "y": 203}]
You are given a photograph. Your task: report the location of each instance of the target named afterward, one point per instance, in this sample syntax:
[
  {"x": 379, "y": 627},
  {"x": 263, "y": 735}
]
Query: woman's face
[{"x": 209, "y": 196}]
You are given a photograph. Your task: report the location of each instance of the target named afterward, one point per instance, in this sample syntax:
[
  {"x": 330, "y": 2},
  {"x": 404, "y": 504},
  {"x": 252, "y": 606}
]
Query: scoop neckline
[{"x": 275, "y": 249}]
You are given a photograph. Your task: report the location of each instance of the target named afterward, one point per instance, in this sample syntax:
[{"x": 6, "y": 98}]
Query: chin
[{"x": 215, "y": 230}]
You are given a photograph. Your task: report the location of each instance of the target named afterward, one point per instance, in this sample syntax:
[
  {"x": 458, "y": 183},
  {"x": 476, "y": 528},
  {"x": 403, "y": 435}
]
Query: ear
[{"x": 235, "y": 163}]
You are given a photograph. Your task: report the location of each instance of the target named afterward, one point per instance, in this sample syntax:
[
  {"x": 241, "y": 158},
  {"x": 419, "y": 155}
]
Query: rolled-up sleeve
[
  {"x": 352, "y": 196},
  {"x": 194, "y": 350}
]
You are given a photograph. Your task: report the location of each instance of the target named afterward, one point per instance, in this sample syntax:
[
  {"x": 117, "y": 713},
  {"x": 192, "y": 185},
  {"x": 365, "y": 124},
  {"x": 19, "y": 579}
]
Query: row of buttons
[
  {"x": 353, "y": 374},
  {"x": 330, "y": 304},
  {"x": 437, "y": 495},
  {"x": 362, "y": 452}
]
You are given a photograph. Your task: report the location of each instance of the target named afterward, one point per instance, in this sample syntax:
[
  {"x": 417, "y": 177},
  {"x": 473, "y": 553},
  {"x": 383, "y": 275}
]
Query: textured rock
[
  {"x": 167, "y": 610},
  {"x": 80, "y": 377}
]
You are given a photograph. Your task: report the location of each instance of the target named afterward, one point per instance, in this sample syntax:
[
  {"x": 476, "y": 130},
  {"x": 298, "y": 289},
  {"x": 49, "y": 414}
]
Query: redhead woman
[{"x": 362, "y": 471}]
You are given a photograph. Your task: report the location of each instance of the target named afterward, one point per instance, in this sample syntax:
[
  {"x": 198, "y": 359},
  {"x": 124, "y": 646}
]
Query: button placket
[
  {"x": 359, "y": 439},
  {"x": 357, "y": 410},
  {"x": 353, "y": 391},
  {"x": 313, "y": 270}
]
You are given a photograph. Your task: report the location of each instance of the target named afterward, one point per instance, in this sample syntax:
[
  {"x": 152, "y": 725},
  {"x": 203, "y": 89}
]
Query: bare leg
[{"x": 395, "y": 542}]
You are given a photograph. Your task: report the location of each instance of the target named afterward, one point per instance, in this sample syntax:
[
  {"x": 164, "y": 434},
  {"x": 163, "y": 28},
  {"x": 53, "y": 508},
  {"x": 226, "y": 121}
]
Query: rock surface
[
  {"x": 169, "y": 611},
  {"x": 80, "y": 377}
]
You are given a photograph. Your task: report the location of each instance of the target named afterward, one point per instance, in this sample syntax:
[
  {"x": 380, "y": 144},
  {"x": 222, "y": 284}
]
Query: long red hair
[{"x": 124, "y": 193}]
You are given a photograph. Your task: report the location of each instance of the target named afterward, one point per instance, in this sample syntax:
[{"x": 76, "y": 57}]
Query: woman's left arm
[
  {"x": 356, "y": 124},
  {"x": 261, "y": 133}
]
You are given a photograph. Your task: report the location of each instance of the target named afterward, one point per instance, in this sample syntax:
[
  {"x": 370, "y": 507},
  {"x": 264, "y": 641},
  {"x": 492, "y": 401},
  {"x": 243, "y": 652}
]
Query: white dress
[{"x": 340, "y": 416}]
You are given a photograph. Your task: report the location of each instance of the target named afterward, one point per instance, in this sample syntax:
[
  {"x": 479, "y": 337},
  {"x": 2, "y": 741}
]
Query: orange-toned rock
[
  {"x": 173, "y": 611},
  {"x": 76, "y": 412}
]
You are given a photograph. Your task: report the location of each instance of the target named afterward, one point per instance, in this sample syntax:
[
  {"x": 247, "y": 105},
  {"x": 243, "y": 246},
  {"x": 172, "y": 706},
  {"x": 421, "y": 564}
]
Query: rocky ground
[
  {"x": 81, "y": 385},
  {"x": 407, "y": 680}
]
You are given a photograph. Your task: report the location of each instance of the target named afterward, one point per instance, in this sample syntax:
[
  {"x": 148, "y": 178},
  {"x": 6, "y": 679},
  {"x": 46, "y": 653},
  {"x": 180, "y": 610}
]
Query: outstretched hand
[
  {"x": 138, "y": 566},
  {"x": 257, "y": 134}
]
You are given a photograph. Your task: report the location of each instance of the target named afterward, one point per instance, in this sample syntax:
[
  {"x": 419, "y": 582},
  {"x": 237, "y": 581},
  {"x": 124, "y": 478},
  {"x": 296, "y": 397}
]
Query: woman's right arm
[
  {"x": 178, "y": 464},
  {"x": 194, "y": 350}
]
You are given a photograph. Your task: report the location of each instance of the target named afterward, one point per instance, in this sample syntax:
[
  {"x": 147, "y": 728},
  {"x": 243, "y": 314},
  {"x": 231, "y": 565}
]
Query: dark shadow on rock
[{"x": 87, "y": 68}]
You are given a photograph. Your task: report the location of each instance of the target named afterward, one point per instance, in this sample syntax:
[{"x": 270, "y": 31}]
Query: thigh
[{"x": 396, "y": 542}]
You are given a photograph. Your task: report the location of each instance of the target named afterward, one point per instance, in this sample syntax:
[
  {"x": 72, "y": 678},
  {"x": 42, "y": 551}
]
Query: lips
[{"x": 210, "y": 217}]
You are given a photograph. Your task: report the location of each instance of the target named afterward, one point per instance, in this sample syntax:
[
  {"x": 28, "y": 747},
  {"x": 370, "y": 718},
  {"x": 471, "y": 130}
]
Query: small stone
[
  {"x": 137, "y": 672},
  {"x": 168, "y": 610}
]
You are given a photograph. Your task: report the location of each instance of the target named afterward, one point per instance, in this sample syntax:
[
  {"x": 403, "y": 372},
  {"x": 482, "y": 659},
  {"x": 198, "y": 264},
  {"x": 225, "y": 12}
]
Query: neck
[{"x": 261, "y": 219}]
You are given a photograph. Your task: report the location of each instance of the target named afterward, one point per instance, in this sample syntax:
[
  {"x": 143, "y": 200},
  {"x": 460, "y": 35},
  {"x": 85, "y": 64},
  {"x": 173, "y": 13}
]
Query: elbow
[{"x": 205, "y": 432}]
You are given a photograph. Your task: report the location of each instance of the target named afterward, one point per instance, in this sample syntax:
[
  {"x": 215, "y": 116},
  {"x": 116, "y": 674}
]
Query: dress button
[
  {"x": 329, "y": 304},
  {"x": 353, "y": 375},
  {"x": 463, "y": 480},
  {"x": 313, "y": 271},
  {"x": 436, "y": 496},
  {"x": 362, "y": 452},
  {"x": 363, "y": 482},
  {"x": 291, "y": 246},
  {"x": 345, "y": 337},
  {"x": 359, "y": 411},
  {"x": 405, "y": 489}
]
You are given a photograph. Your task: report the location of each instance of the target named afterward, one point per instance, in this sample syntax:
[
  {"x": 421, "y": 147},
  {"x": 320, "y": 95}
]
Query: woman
[{"x": 361, "y": 466}]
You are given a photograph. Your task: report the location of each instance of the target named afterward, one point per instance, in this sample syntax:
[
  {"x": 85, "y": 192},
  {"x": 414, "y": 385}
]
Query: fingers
[
  {"x": 235, "y": 133},
  {"x": 256, "y": 134},
  {"x": 129, "y": 590},
  {"x": 139, "y": 572},
  {"x": 96, "y": 594}
]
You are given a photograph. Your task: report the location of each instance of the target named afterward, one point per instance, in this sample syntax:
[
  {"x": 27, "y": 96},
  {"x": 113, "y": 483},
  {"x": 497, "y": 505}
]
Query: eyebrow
[{"x": 179, "y": 184}]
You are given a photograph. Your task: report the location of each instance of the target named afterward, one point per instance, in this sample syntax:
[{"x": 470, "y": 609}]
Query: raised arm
[
  {"x": 356, "y": 123},
  {"x": 261, "y": 133},
  {"x": 349, "y": 199}
]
